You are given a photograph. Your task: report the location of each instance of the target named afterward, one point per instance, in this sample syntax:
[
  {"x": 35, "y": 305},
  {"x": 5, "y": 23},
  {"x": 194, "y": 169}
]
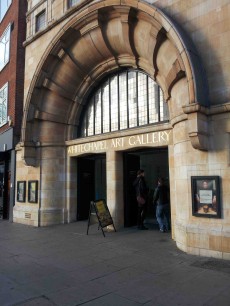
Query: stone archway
[
  {"x": 96, "y": 41},
  {"x": 100, "y": 39}
]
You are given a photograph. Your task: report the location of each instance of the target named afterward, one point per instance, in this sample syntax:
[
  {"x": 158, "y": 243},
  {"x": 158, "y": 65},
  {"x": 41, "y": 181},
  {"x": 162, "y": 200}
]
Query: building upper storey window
[
  {"x": 40, "y": 21},
  {"x": 4, "y": 5},
  {"x": 126, "y": 100},
  {"x": 3, "y": 104},
  {"x": 5, "y": 48},
  {"x": 72, "y": 2}
]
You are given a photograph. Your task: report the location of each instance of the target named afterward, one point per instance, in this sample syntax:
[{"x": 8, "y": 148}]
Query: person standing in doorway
[
  {"x": 141, "y": 195},
  {"x": 162, "y": 199}
]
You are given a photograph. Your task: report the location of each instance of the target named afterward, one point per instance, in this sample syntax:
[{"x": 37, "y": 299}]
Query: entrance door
[
  {"x": 91, "y": 182},
  {"x": 131, "y": 166},
  {"x": 155, "y": 164},
  {"x": 4, "y": 191}
]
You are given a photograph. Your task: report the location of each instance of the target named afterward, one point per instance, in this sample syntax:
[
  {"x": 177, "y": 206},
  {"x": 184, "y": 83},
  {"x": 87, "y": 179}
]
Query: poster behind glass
[
  {"x": 33, "y": 191},
  {"x": 206, "y": 196},
  {"x": 21, "y": 191}
]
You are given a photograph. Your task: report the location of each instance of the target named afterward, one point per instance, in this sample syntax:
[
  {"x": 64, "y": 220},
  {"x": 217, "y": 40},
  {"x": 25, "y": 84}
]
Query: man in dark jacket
[
  {"x": 162, "y": 199},
  {"x": 142, "y": 193}
]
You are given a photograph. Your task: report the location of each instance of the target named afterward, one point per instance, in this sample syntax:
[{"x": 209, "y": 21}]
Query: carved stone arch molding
[{"x": 100, "y": 39}]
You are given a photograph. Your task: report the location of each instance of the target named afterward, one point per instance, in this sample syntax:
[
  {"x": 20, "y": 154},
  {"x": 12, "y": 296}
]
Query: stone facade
[{"x": 185, "y": 48}]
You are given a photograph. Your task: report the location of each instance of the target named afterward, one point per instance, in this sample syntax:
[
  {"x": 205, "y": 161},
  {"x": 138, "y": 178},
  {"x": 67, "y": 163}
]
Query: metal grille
[{"x": 27, "y": 216}]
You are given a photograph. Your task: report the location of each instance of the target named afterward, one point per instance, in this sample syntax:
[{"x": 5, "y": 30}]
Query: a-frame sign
[{"x": 99, "y": 213}]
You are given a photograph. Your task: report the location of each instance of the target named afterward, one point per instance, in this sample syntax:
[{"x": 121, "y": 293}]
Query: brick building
[
  {"x": 12, "y": 55},
  {"x": 113, "y": 86}
]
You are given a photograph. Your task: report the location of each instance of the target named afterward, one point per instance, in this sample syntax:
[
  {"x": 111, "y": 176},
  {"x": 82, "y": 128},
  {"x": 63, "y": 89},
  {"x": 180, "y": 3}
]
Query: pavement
[{"x": 61, "y": 265}]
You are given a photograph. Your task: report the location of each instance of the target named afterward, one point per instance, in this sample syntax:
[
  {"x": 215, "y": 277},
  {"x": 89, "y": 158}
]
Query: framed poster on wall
[
  {"x": 206, "y": 196},
  {"x": 33, "y": 191},
  {"x": 21, "y": 191}
]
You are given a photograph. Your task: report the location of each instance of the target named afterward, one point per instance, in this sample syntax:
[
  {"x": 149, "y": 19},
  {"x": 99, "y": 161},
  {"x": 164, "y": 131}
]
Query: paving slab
[{"x": 61, "y": 265}]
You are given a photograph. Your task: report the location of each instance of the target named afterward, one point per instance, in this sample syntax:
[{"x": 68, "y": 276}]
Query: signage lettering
[
  {"x": 162, "y": 137},
  {"x": 117, "y": 142}
]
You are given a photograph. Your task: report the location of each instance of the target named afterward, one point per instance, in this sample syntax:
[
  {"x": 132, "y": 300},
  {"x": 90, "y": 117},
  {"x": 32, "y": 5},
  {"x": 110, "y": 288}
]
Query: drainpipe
[
  {"x": 12, "y": 184},
  {"x": 38, "y": 145}
]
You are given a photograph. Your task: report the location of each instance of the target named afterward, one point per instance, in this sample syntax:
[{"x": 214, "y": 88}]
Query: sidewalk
[{"x": 61, "y": 265}]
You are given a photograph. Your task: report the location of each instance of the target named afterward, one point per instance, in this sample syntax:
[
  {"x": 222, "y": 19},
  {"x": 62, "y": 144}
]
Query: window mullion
[
  {"x": 102, "y": 118},
  {"x": 127, "y": 98},
  {"x": 118, "y": 101},
  {"x": 158, "y": 101},
  {"x": 87, "y": 122},
  {"x": 147, "y": 97},
  {"x": 137, "y": 102},
  {"x": 94, "y": 115},
  {"x": 110, "y": 126}
]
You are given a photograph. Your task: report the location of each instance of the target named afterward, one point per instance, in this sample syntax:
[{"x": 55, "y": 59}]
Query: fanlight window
[{"x": 126, "y": 100}]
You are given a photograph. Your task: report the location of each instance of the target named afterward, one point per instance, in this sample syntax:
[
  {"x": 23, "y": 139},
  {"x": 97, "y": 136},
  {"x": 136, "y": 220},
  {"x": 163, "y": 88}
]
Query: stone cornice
[{"x": 212, "y": 110}]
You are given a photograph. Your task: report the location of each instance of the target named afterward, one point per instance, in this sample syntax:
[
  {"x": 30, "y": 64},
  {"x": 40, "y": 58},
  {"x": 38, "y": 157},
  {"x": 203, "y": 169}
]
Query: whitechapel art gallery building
[{"x": 116, "y": 86}]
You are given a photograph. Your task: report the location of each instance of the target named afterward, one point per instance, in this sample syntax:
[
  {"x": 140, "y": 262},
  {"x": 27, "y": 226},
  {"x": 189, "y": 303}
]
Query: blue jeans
[{"x": 163, "y": 217}]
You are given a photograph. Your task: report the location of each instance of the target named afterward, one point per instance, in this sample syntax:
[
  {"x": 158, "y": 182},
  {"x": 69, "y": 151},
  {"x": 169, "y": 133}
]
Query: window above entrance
[{"x": 126, "y": 100}]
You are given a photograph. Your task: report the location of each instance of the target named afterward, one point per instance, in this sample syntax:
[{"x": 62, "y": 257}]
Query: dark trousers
[{"x": 141, "y": 215}]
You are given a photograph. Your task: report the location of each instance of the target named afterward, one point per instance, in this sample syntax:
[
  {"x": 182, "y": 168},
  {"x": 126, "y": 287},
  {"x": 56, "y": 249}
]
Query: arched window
[{"x": 126, "y": 100}]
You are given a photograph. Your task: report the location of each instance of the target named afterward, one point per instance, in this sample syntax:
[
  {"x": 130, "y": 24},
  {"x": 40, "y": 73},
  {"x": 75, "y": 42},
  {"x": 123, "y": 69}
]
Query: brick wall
[{"x": 13, "y": 72}]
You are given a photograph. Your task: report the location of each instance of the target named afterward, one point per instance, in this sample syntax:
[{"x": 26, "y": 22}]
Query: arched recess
[{"x": 101, "y": 39}]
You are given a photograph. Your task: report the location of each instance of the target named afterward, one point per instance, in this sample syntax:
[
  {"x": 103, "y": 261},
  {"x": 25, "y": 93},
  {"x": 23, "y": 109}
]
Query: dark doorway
[
  {"x": 91, "y": 182},
  {"x": 4, "y": 190},
  {"x": 131, "y": 165},
  {"x": 155, "y": 164}
]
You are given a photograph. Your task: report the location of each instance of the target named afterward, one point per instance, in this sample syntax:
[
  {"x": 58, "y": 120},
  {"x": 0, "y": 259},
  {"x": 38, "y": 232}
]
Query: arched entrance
[{"x": 95, "y": 42}]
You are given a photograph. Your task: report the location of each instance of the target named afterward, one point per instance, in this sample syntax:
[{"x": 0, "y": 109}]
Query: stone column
[
  {"x": 71, "y": 189},
  {"x": 53, "y": 186},
  {"x": 115, "y": 192}
]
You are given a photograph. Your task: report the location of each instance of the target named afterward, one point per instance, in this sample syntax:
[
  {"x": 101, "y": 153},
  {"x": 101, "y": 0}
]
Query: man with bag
[{"x": 141, "y": 195}]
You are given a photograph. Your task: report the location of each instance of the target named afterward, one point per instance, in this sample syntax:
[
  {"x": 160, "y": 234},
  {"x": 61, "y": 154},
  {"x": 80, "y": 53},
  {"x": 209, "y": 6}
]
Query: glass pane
[
  {"x": 114, "y": 103},
  {"x": 153, "y": 101},
  {"x": 73, "y": 2},
  {"x": 98, "y": 112},
  {"x": 83, "y": 128},
  {"x": 4, "y": 111},
  {"x": 4, "y": 5},
  {"x": 7, "y": 52},
  {"x": 120, "y": 104},
  {"x": 3, "y": 104},
  {"x": 40, "y": 21},
  {"x": 142, "y": 99},
  {"x": 105, "y": 107},
  {"x": 5, "y": 48},
  {"x": 2, "y": 55},
  {"x": 91, "y": 118},
  {"x": 132, "y": 99},
  {"x": 123, "y": 101}
]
